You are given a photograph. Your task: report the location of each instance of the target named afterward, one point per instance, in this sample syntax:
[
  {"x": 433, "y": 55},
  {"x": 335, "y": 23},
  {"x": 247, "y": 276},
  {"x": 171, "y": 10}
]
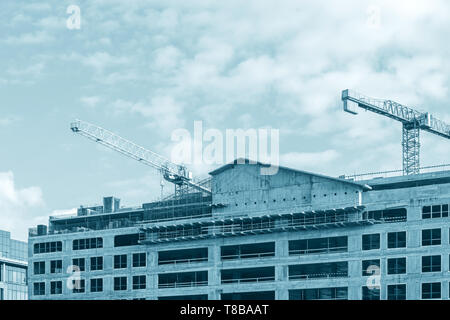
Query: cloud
[
  {"x": 160, "y": 66},
  {"x": 162, "y": 113},
  {"x": 33, "y": 70},
  {"x": 6, "y": 121},
  {"x": 37, "y": 37},
  {"x": 90, "y": 101},
  {"x": 72, "y": 211},
  {"x": 99, "y": 61},
  {"x": 15, "y": 205},
  {"x": 312, "y": 161}
]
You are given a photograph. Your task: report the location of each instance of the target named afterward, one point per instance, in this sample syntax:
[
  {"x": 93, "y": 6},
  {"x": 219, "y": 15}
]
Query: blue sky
[{"x": 145, "y": 68}]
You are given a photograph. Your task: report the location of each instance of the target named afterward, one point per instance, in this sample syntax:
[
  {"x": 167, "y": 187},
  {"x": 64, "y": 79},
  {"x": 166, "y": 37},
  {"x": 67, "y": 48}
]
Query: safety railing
[
  {"x": 248, "y": 280},
  {"x": 317, "y": 251},
  {"x": 182, "y": 284},
  {"x": 318, "y": 276},
  {"x": 182, "y": 261},
  {"x": 248, "y": 256}
]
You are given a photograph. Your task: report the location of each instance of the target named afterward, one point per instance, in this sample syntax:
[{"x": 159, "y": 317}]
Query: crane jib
[
  {"x": 412, "y": 120},
  {"x": 177, "y": 174}
]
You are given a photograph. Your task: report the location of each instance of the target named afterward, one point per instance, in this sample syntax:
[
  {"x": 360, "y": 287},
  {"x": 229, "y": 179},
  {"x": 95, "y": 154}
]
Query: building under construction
[
  {"x": 293, "y": 235},
  {"x": 241, "y": 235}
]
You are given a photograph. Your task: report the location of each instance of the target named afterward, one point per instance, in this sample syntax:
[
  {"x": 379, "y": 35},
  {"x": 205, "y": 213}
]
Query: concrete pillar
[
  {"x": 214, "y": 271},
  {"x": 214, "y": 279},
  {"x": 281, "y": 248}
]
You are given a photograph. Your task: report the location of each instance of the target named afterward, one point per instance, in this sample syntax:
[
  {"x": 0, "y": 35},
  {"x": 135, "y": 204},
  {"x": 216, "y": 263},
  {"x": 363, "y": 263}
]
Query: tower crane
[
  {"x": 174, "y": 173},
  {"x": 412, "y": 121}
]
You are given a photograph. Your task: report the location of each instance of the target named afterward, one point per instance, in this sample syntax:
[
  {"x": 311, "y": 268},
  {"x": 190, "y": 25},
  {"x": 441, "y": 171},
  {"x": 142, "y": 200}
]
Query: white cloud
[
  {"x": 256, "y": 63},
  {"x": 90, "y": 101},
  {"x": 15, "y": 205},
  {"x": 72, "y": 211},
  {"x": 33, "y": 70},
  {"x": 29, "y": 38},
  {"x": 312, "y": 161},
  {"x": 162, "y": 113},
  {"x": 102, "y": 60},
  {"x": 6, "y": 121}
]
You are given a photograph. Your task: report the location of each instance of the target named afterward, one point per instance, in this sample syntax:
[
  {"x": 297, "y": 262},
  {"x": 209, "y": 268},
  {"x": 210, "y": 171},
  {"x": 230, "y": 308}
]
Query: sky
[{"x": 144, "y": 68}]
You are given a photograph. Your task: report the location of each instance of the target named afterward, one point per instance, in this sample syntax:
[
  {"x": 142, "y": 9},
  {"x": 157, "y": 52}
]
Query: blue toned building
[
  {"x": 13, "y": 268},
  {"x": 293, "y": 235}
]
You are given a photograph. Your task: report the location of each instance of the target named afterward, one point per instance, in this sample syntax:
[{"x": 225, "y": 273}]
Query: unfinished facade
[{"x": 293, "y": 235}]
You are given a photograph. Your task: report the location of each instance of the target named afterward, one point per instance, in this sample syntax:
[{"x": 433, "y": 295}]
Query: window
[
  {"x": 79, "y": 286},
  {"x": 396, "y": 266},
  {"x": 318, "y": 270},
  {"x": 120, "y": 261},
  {"x": 431, "y": 290},
  {"x": 80, "y": 263},
  {"x": 196, "y": 255},
  {"x": 246, "y": 275},
  {"x": 246, "y": 251},
  {"x": 91, "y": 243},
  {"x": 120, "y": 283},
  {"x": 139, "y": 282},
  {"x": 97, "y": 285},
  {"x": 340, "y": 293},
  {"x": 183, "y": 279},
  {"x": 431, "y": 237},
  {"x": 125, "y": 240},
  {"x": 370, "y": 267},
  {"x": 56, "y": 266},
  {"x": 435, "y": 211},
  {"x": 139, "y": 260},
  {"x": 56, "y": 287},
  {"x": 370, "y": 293},
  {"x": 388, "y": 215},
  {"x": 96, "y": 263},
  {"x": 318, "y": 245},
  {"x": 371, "y": 241},
  {"x": 39, "y": 267},
  {"x": 39, "y": 288},
  {"x": 397, "y": 239},
  {"x": 431, "y": 264},
  {"x": 47, "y": 247},
  {"x": 396, "y": 292}
]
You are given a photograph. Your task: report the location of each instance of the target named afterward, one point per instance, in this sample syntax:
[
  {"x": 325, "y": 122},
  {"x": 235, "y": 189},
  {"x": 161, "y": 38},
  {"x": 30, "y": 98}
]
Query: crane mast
[
  {"x": 174, "y": 173},
  {"x": 412, "y": 122}
]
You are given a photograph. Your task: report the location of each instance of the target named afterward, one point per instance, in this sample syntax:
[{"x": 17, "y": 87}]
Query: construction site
[{"x": 240, "y": 235}]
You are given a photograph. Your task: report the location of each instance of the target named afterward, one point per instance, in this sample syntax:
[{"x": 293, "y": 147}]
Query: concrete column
[
  {"x": 282, "y": 294},
  {"x": 354, "y": 243},
  {"x": 354, "y": 269},
  {"x": 214, "y": 279},
  {"x": 354, "y": 292},
  {"x": 214, "y": 272},
  {"x": 152, "y": 266},
  {"x": 281, "y": 248}
]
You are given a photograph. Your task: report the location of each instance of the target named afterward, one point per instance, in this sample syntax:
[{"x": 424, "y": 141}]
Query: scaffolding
[{"x": 213, "y": 228}]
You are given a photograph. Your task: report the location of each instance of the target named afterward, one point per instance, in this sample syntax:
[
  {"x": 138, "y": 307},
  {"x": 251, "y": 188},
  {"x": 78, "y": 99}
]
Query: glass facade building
[{"x": 13, "y": 268}]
